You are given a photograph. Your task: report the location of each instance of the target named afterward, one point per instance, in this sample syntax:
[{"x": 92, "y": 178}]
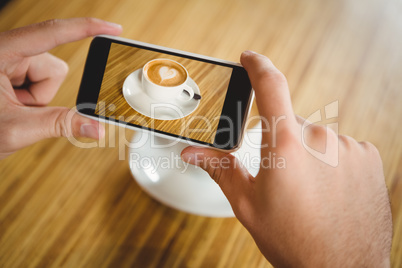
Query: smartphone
[{"x": 175, "y": 94}]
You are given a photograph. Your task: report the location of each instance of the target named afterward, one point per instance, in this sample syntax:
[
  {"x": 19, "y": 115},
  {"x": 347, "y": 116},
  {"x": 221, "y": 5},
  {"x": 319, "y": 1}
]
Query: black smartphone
[{"x": 167, "y": 92}]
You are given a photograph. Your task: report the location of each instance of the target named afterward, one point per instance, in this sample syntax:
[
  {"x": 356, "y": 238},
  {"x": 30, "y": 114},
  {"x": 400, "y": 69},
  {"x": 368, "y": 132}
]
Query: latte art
[
  {"x": 165, "y": 73},
  {"x": 166, "y": 80}
]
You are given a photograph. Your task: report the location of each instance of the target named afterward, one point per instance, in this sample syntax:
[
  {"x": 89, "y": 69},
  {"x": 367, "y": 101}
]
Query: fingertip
[
  {"x": 185, "y": 150},
  {"x": 245, "y": 56},
  {"x": 247, "y": 53},
  {"x": 188, "y": 157},
  {"x": 253, "y": 60},
  {"x": 115, "y": 29},
  {"x": 190, "y": 154},
  {"x": 114, "y": 25},
  {"x": 99, "y": 26}
]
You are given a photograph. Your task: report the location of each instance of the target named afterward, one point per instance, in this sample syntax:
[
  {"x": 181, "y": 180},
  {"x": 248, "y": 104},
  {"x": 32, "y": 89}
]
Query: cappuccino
[{"x": 166, "y": 73}]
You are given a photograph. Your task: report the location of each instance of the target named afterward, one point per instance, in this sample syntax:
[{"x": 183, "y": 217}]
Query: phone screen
[{"x": 163, "y": 91}]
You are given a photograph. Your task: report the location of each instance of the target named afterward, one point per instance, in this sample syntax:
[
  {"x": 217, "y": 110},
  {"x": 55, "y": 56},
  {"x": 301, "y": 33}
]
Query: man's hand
[
  {"x": 30, "y": 78},
  {"x": 309, "y": 213}
]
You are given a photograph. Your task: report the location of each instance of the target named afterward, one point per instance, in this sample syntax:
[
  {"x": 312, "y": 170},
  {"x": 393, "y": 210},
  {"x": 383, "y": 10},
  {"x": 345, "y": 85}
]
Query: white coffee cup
[{"x": 166, "y": 80}]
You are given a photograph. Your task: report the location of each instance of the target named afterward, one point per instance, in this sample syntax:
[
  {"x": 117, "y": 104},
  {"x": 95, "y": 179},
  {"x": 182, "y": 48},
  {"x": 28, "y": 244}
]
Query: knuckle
[
  {"x": 10, "y": 130},
  {"x": 214, "y": 168},
  {"x": 46, "y": 25},
  {"x": 274, "y": 76},
  {"x": 321, "y": 139},
  {"x": 62, "y": 68},
  {"x": 368, "y": 146},
  {"x": 61, "y": 128},
  {"x": 346, "y": 140},
  {"x": 88, "y": 24},
  {"x": 287, "y": 135},
  {"x": 89, "y": 20},
  {"x": 332, "y": 136},
  {"x": 9, "y": 136},
  {"x": 49, "y": 23},
  {"x": 287, "y": 141},
  {"x": 57, "y": 68},
  {"x": 372, "y": 154},
  {"x": 317, "y": 131},
  {"x": 43, "y": 101},
  {"x": 278, "y": 76},
  {"x": 215, "y": 173}
]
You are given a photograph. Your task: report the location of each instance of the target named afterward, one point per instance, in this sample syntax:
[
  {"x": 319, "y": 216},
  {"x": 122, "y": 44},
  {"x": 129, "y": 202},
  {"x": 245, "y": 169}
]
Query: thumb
[
  {"x": 225, "y": 169},
  {"x": 48, "y": 122}
]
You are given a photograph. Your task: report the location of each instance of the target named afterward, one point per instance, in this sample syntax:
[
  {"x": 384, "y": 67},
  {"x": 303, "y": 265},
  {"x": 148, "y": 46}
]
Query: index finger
[
  {"x": 40, "y": 37},
  {"x": 270, "y": 86}
]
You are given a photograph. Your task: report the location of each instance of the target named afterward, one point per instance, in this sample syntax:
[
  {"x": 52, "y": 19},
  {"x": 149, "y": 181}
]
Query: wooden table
[{"x": 66, "y": 206}]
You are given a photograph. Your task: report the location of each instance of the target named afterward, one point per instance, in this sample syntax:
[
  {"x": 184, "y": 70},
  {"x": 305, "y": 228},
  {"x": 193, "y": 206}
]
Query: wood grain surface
[
  {"x": 64, "y": 206},
  {"x": 212, "y": 81}
]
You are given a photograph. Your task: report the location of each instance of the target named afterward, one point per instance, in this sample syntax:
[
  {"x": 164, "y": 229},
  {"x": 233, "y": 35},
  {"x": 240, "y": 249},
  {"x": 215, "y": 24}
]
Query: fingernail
[
  {"x": 90, "y": 131},
  {"x": 249, "y": 52},
  {"x": 115, "y": 25}
]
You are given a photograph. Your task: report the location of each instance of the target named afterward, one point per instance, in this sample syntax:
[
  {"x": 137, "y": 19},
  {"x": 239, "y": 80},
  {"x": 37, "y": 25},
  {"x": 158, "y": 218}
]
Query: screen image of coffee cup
[{"x": 165, "y": 79}]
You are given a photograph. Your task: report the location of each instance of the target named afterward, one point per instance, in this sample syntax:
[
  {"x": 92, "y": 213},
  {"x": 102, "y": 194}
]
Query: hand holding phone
[
  {"x": 30, "y": 78},
  {"x": 306, "y": 213}
]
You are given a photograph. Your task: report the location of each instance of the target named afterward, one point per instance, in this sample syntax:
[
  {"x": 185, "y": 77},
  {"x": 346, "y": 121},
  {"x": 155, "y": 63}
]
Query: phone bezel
[{"x": 239, "y": 91}]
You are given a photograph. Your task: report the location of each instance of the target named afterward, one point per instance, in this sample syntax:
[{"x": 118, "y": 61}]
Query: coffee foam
[{"x": 165, "y": 73}]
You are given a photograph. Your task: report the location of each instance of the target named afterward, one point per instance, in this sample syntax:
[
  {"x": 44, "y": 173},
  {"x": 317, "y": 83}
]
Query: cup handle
[{"x": 188, "y": 93}]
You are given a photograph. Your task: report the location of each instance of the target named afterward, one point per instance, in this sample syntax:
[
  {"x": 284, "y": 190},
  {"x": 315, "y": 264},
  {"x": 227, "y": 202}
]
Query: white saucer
[
  {"x": 142, "y": 103},
  {"x": 163, "y": 175}
]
